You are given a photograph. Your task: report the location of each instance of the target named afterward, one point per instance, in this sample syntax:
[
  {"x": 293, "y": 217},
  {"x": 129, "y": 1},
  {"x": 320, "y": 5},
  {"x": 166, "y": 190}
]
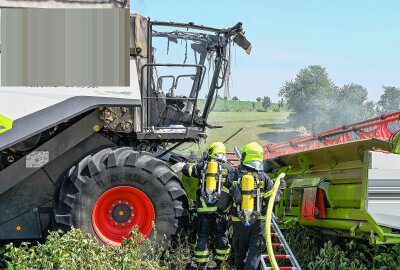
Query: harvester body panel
[
  {"x": 383, "y": 188},
  {"x": 350, "y": 189}
]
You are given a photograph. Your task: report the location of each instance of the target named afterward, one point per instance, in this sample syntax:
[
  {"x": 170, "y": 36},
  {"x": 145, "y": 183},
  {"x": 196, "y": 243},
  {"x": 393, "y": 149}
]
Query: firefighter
[
  {"x": 213, "y": 171},
  {"x": 245, "y": 197}
]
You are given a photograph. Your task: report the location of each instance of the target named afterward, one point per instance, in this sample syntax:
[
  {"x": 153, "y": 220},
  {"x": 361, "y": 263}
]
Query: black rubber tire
[{"x": 123, "y": 167}]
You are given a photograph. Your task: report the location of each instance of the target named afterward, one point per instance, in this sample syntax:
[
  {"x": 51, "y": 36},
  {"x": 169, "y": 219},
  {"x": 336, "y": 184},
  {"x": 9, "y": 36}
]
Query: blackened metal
[{"x": 169, "y": 150}]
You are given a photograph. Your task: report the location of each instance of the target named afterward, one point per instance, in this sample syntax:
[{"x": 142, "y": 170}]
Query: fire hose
[{"x": 271, "y": 194}]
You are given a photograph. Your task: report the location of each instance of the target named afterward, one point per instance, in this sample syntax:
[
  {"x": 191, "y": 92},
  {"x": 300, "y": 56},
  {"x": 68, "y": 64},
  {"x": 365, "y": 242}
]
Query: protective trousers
[
  {"x": 248, "y": 240},
  {"x": 210, "y": 225}
]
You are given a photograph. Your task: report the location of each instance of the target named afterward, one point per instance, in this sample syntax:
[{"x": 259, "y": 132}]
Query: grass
[
  {"x": 261, "y": 127},
  {"x": 236, "y": 105}
]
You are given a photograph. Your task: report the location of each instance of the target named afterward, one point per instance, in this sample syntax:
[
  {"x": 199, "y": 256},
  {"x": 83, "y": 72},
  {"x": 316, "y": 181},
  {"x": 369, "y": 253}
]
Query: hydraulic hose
[{"x": 272, "y": 195}]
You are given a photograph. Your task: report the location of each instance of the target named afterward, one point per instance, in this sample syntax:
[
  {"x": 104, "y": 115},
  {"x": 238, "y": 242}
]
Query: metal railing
[{"x": 145, "y": 97}]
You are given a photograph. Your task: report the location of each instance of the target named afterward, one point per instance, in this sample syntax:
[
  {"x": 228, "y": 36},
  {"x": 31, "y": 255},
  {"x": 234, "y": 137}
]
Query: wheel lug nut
[
  {"x": 129, "y": 221},
  {"x": 123, "y": 224},
  {"x": 119, "y": 201},
  {"x": 132, "y": 214},
  {"x": 115, "y": 223},
  {"x": 113, "y": 205},
  {"x": 109, "y": 211}
]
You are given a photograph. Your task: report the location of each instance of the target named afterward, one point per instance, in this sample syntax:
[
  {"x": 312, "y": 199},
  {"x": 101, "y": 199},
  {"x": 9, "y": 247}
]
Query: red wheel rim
[{"x": 117, "y": 210}]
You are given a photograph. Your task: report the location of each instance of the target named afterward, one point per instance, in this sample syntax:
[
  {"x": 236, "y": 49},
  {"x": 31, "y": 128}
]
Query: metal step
[
  {"x": 282, "y": 268},
  {"x": 282, "y": 244}
]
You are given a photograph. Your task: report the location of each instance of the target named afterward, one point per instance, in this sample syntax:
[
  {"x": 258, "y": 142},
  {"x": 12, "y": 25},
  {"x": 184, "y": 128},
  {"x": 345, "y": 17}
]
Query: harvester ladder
[
  {"x": 277, "y": 234},
  {"x": 234, "y": 157}
]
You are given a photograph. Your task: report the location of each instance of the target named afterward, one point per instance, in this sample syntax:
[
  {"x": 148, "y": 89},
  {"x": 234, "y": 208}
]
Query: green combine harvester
[{"x": 344, "y": 181}]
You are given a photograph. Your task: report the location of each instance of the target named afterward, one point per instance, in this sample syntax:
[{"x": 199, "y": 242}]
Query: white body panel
[
  {"x": 59, "y": 4},
  {"x": 383, "y": 200},
  {"x": 17, "y": 102}
]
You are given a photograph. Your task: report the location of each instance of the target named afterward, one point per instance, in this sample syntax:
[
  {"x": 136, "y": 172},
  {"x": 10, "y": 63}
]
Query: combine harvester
[
  {"x": 343, "y": 181},
  {"x": 97, "y": 155}
]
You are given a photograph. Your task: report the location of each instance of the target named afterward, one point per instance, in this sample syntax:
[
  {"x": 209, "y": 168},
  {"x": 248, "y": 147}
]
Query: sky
[{"x": 357, "y": 41}]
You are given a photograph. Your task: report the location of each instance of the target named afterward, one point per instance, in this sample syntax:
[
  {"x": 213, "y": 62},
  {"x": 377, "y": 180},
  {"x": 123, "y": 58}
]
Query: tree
[
  {"x": 281, "y": 103},
  {"x": 258, "y": 99},
  {"x": 351, "y": 105},
  {"x": 389, "y": 100},
  {"x": 266, "y": 103},
  {"x": 235, "y": 98},
  {"x": 309, "y": 97},
  {"x": 254, "y": 105}
]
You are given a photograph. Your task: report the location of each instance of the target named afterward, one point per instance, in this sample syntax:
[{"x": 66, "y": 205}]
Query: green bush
[
  {"x": 79, "y": 250},
  {"x": 315, "y": 250}
]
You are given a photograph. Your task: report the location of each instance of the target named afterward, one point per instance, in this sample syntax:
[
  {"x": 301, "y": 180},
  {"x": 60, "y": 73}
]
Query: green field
[
  {"x": 261, "y": 127},
  {"x": 236, "y": 105}
]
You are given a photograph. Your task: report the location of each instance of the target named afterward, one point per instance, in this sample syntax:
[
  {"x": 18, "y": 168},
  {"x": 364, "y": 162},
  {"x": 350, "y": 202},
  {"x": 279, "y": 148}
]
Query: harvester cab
[
  {"x": 170, "y": 92},
  {"x": 89, "y": 112}
]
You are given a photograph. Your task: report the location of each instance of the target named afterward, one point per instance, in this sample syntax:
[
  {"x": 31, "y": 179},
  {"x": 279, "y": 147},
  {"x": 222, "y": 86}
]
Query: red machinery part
[
  {"x": 117, "y": 210},
  {"x": 373, "y": 128}
]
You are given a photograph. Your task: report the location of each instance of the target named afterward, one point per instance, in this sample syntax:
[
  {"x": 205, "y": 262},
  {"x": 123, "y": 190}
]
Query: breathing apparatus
[
  {"x": 212, "y": 178},
  {"x": 246, "y": 192}
]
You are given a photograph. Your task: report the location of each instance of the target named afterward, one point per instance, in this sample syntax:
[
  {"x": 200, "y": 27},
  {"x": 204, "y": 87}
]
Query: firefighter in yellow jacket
[
  {"x": 213, "y": 172},
  {"x": 245, "y": 197}
]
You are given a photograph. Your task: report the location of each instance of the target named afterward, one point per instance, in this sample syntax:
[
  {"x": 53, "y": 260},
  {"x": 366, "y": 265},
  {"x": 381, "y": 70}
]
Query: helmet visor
[{"x": 256, "y": 165}]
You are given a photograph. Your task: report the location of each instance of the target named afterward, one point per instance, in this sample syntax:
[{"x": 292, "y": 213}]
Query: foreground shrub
[
  {"x": 79, "y": 250},
  {"x": 317, "y": 251}
]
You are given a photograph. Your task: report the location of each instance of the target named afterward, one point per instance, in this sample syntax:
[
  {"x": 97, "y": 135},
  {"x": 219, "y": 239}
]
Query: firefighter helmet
[
  {"x": 252, "y": 156},
  {"x": 217, "y": 150}
]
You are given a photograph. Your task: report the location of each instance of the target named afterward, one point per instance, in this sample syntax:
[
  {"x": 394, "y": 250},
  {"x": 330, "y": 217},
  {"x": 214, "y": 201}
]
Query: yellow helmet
[
  {"x": 217, "y": 150},
  {"x": 252, "y": 156}
]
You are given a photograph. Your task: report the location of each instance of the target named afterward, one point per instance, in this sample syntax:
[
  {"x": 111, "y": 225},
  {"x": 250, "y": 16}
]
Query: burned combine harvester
[
  {"x": 343, "y": 181},
  {"x": 96, "y": 155}
]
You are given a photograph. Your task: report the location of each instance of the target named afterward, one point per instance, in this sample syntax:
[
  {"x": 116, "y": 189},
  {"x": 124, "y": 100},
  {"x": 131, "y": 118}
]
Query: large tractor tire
[{"x": 110, "y": 192}]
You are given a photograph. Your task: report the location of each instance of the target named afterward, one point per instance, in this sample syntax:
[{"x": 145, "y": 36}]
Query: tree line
[{"x": 315, "y": 102}]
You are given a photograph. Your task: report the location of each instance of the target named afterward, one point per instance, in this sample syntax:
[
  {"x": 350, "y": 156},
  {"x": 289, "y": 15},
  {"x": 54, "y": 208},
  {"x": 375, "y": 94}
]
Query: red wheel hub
[{"x": 117, "y": 210}]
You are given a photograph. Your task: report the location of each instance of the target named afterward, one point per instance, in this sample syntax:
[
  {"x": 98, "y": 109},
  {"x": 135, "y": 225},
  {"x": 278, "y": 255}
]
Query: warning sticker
[{"x": 37, "y": 159}]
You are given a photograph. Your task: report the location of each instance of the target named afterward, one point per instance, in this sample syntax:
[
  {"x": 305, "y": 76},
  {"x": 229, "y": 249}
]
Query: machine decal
[{"x": 5, "y": 123}]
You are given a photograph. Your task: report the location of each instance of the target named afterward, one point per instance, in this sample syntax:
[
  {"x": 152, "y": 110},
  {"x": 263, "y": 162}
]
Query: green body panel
[
  {"x": 190, "y": 186},
  {"x": 340, "y": 171},
  {"x": 300, "y": 183},
  {"x": 344, "y": 195}
]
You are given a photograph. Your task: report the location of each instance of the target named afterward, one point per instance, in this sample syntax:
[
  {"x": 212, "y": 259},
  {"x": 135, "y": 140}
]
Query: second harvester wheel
[{"x": 110, "y": 192}]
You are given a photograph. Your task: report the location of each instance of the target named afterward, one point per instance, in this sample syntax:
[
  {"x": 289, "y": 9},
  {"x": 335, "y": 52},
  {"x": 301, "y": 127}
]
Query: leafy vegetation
[
  {"x": 79, "y": 250},
  {"x": 238, "y": 106},
  {"x": 316, "y": 103},
  {"x": 316, "y": 251},
  {"x": 390, "y": 100},
  {"x": 266, "y": 103}
]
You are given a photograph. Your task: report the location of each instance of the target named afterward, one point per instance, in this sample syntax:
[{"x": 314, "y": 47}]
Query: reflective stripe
[
  {"x": 5, "y": 123},
  {"x": 225, "y": 189},
  {"x": 201, "y": 253},
  {"x": 261, "y": 217},
  {"x": 266, "y": 194},
  {"x": 191, "y": 170},
  {"x": 235, "y": 218},
  {"x": 207, "y": 209},
  {"x": 200, "y": 260},
  {"x": 222, "y": 251},
  {"x": 220, "y": 257}
]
